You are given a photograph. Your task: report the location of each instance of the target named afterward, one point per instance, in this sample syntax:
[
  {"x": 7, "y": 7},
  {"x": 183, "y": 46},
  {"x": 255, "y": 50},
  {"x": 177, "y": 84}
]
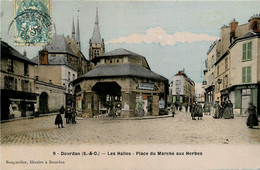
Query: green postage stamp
[{"x": 33, "y": 22}]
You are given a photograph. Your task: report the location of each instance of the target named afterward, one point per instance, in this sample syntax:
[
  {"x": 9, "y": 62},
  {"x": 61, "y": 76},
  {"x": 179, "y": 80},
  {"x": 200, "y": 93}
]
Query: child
[{"x": 58, "y": 121}]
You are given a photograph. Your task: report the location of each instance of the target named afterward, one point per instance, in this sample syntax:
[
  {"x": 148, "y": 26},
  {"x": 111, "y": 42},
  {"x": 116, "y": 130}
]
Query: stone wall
[
  {"x": 129, "y": 91},
  {"x": 56, "y": 95}
]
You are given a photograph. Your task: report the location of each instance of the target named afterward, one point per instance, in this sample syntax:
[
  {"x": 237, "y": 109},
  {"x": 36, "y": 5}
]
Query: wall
[
  {"x": 18, "y": 74},
  {"x": 181, "y": 85},
  {"x": 56, "y": 96},
  {"x": 49, "y": 72},
  {"x": 241, "y": 30},
  {"x": 258, "y": 61},
  {"x": 237, "y": 64},
  {"x": 223, "y": 72},
  {"x": 65, "y": 79},
  {"x": 210, "y": 75}
]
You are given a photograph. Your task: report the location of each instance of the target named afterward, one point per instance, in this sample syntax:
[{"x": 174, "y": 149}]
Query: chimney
[
  {"x": 233, "y": 26},
  {"x": 24, "y": 53},
  {"x": 43, "y": 57},
  {"x": 254, "y": 23}
]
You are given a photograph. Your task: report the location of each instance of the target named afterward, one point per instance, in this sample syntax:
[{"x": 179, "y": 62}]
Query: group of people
[
  {"x": 224, "y": 111},
  {"x": 196, "y": 111},
  {"x": 70, "y": 116}
]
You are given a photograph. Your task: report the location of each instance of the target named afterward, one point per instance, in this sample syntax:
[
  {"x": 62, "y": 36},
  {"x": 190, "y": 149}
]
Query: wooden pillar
[
  {"x": 87, "y": 104},
  {"x": 155, "y": 108},
  {"x": 128, "y": 104}
]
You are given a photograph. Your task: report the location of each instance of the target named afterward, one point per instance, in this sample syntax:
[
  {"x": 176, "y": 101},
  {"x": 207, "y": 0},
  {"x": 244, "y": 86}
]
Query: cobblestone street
[{"x": 164, "y": 130}]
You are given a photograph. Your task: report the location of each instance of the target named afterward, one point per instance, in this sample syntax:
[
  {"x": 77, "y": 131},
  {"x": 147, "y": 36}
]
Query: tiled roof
[
  {"x": 249, "y": 34},
  {"x": 118, "y": 70},
  {"x": 55, "y": 60},
  {"x": 118, "y": 52},
  {"x": 59, "y": 45},
  {"x": 6, "y": 49}
]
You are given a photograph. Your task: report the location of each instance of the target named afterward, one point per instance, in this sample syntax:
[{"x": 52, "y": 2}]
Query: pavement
[{"x": 166, "y": 129}]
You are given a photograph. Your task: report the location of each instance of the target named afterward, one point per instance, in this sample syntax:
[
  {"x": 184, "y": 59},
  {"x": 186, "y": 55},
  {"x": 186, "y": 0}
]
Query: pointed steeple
[
  {"x": 78, "y": 33},
  {"x": 73, "y": 30},
  {"x": 96, "y": 37}
]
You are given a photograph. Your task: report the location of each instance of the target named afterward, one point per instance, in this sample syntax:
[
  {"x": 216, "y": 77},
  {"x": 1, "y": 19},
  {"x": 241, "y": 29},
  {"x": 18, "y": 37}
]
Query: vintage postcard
[{"x": 130, "y": 84}]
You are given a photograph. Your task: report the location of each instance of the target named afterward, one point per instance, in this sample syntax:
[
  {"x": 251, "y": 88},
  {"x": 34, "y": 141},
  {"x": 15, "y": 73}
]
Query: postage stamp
[{"x": 33, "y": 24}]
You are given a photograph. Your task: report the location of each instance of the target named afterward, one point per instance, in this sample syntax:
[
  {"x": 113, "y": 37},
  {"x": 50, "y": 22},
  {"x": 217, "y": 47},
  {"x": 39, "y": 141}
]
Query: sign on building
[{"x": 146, "y": 86}]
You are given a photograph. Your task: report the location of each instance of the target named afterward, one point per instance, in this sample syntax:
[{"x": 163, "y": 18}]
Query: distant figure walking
[
  {"x": 186, "y": 107},
  {"x": 216, "y": 111},
  {"x": 180, "y": 108},
  {"x": 58, "y": 121},
  {"x": 193, "y": 111},
  {"x": 172, "y": 110},
  {"x": 252, "y": 119},
  {"x": 68, "y": 115},
  {"x": 199, "y": 111},
  {"x": 73, "y": 116}
]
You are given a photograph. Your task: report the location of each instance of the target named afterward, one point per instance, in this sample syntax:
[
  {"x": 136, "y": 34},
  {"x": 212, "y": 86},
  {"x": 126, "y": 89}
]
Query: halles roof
[
  {"x": 120, "y": 70},
  {"x": 119, "y": 52}
]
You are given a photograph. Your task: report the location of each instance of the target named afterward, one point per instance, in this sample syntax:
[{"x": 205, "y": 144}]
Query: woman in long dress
[
  {"x": 58, "y": 120},
  {"x": 252, "y": 119},
  {"x": 216, "y": 111},
  {"x": 228, "y": 111}
]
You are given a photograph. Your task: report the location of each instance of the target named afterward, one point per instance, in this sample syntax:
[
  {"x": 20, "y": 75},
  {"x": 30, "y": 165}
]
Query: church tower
[
  {"x": 96, "y": 43},
  {"x": 73, "y": 30},
  {"x": 77, "y": 34}
]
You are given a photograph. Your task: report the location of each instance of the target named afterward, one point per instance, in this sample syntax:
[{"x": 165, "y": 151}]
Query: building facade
[
  {"x": 210, "y": 73},
  {"x": 54, "y": 74},
  {"x": 183, "y": 89},
  {"x": 121, "y": 79},
  {"x": 18, "y": 95},
  {"x": 245, "y": 68},
  {"x": 237, "y": 65}
]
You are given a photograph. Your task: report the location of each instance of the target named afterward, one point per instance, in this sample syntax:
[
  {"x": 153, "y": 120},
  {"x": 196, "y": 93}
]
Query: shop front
[
  {"x": 241, "y": 95},
  {"x": 16, "y": 104}
]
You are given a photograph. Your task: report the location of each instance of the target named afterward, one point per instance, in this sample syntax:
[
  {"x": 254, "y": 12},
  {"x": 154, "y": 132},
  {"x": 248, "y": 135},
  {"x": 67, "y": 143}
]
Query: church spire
[
  {"x": 78, "y": 33},
  {"x": 73, "y": 29},
  {"x": 96, "y": 37}
]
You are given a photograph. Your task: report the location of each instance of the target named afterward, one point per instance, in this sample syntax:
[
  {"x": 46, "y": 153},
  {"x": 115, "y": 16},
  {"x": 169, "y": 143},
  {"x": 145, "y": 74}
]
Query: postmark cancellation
[{"x": 33, "y": 24}]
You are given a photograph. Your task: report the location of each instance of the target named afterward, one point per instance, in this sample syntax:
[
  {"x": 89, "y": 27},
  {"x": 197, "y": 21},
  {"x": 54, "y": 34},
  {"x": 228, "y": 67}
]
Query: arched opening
[
  {"x": 77, "y": 89},
  {"x": 108, "y": 96},
  {"x": 43, "y": 108}
]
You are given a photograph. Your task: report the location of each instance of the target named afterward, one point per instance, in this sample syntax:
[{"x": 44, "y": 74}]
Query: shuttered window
[
  {"x": 246, "y": 74},
  {"x": 247, "y": 52},
  {"x": 174, "y": 99}
]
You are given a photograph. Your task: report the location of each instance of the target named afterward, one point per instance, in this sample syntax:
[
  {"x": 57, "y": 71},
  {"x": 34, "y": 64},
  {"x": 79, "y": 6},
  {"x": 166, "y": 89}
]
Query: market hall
[{"x": 123, "y": 81}]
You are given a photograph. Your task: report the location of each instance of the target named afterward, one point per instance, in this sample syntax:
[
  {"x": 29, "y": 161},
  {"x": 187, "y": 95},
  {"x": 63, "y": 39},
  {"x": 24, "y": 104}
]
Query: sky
[{"x": 172, "y": 35}]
